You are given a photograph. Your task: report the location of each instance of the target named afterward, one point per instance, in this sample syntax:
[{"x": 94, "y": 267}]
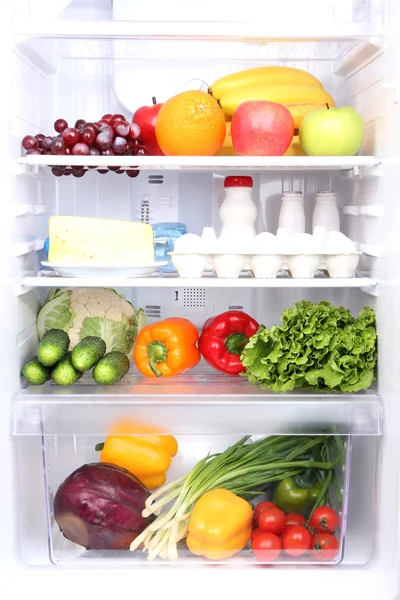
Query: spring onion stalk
[{"x": 245, "y": 469}]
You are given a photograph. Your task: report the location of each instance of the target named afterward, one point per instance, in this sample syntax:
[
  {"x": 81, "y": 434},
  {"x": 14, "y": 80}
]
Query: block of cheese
[{"x": 82, "y": 240}]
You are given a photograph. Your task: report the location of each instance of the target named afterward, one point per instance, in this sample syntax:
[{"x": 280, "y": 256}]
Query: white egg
[
  {"x": 303, "y": 243},
  {"x": 338, "y": 243},
  {"x": 265, "y": 243},
  {"x": 189, "y": 243}
]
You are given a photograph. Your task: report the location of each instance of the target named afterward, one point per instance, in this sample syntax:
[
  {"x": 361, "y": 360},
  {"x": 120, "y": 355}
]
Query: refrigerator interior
[{"x": 70, "y": 65}]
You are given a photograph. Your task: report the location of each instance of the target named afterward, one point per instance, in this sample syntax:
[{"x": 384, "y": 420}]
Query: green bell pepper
[{"x": 298, "y": 494}]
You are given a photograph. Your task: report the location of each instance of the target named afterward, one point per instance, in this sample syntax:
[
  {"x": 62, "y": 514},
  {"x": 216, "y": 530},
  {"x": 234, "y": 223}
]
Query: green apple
[{"x": 333, "y": 132}]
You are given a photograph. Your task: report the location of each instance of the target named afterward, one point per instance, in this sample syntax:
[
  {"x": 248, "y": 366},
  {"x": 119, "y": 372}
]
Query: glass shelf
[
  {"x": 207, "y": 163},
  {"x": 198, "y": 404}
]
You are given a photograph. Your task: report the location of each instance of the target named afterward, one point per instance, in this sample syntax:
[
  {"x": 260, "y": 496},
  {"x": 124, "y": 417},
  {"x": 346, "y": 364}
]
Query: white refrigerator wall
[{"x": 89, "y": 87}]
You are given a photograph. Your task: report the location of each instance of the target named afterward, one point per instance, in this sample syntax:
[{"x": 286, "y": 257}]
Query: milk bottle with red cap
[{"x": 238, "y": 212}]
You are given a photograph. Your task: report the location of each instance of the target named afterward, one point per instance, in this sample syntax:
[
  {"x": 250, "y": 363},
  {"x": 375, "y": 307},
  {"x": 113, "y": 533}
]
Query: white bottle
[
  {"x": 291, "y": 216},
  {"x": 238, "y": 212},
  {"x": 326, "y": 212}
]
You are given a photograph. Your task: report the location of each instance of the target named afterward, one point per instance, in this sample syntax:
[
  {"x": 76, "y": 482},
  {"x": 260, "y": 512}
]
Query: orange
[{"x": 190, "y": 124}]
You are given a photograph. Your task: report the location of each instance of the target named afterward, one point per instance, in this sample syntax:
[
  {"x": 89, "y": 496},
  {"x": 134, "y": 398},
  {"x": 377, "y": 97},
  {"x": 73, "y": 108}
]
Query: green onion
[{"x": 245, "y": 469}]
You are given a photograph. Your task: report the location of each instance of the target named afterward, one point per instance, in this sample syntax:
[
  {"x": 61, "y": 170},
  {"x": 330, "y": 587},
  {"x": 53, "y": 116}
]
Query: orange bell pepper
[
  {"x": 148, "y": 457},
  {"x": 167, "y": 348}
]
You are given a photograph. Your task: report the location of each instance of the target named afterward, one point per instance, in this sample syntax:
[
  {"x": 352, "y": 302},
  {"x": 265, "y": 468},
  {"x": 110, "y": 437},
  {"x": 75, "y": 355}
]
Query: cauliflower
[{"x": 92, "y": 311}]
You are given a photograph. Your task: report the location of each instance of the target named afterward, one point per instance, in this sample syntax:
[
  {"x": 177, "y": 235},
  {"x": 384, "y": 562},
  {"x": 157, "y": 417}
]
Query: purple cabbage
[{"x": 100, "y": 506}]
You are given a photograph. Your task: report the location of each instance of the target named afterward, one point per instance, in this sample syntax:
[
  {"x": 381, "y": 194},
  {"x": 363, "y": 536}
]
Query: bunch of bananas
[{"x": 296, "y": 89}]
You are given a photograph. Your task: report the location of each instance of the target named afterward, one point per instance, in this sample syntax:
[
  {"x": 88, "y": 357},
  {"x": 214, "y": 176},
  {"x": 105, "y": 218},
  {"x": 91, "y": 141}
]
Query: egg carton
[{"x": 265, "y": 266}]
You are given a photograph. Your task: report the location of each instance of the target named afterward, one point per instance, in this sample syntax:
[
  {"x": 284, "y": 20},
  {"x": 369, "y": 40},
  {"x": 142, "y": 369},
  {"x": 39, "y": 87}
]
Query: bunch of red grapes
[{"x": 113, "y": 135}]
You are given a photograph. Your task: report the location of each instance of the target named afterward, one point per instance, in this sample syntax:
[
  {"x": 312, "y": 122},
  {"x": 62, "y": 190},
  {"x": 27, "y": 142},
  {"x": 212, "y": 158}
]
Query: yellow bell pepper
[
  {"x": 220, "y": 525},
  {"x": 148, "y": 457}
]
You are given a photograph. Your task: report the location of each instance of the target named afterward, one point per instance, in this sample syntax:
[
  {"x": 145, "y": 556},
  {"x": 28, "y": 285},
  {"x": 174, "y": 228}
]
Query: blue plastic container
[{"x": 165, "y": 236}]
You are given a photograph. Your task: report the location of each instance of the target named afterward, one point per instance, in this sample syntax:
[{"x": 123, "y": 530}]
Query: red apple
[
  {"x": 261, "y": 128},
  {"x": 145, "y": 117}
]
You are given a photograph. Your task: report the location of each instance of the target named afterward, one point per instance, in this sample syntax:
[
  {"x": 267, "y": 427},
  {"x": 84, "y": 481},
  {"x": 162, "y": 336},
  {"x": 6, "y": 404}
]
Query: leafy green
[
  {"x": 317, "y": 345},
  {"x": 100, "y": 312},
  {"x": 117, "y": 335},
  {"x": 56, "y": 313}
]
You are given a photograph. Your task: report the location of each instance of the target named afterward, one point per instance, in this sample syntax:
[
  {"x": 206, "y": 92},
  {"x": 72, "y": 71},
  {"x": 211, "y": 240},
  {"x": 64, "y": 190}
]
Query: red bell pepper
[{"x": 223, "y": 338}]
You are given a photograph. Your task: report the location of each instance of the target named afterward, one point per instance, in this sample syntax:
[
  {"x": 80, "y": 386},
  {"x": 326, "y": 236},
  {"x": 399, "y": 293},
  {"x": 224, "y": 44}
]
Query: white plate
[{"x": 104, "y": 270}]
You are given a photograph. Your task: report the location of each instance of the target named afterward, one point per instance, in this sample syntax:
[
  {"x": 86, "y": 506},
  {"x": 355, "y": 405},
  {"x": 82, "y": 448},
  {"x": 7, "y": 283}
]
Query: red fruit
[
  {"x": 325, "y": 546},
  {"x": 60, "y": 125},
  {"x": 266, "y": 546},
  {"x": 272, "y": 520},
  {"x": 81, "y": 149},
  {"x": 260, "y": 507},
  {"x": 294, "y": 519},
  {"x": 324, "y": 518},
  {"x": 30, "y": 143},
  {"x": 255, "y": 534},
  {"x": 88, "y": 136},
  {"x": 141, "y": 151},
  {"x": 70, "y": 135},
  {"x": 117, "y": 117},
  {"x": 145, "y": 117},
  {"x": 57, "y": 146},
  {"x": 46, "y": 143},
  {"x": 134, "y": 134},
  {"x": 297, "y": 540},
  {"x": 261, "y": 128},
  {"x": 107, "y": 117},
  {"x": 39, "y": 138}
]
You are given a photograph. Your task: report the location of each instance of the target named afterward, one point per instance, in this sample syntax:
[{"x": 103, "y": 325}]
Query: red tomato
[
  {"x": 272, "y": 520},
  {"x": 294, "y": 519},
  {"x": 325, "y": 546},
  {"x": 260, "y": 507},
  {"x": 255, "y": 534},
  {"x": 325, "y": 519},
  {"x": 297, "y": 540},
  {"x": 266, "y": 547}
]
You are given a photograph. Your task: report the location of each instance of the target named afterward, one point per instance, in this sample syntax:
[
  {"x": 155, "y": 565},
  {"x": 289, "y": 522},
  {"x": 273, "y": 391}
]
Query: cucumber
[
  {"x": 88, "y": 352},
  {"x": 111, "y": 368},
  {"x": 34, "y": 372},
  {"x": 53, "y": 347},
  {"x": 64, "y": 373}
]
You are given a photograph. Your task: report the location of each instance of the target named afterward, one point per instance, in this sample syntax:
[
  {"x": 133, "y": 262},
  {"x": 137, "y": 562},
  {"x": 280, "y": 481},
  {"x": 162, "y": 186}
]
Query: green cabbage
[
  {"x": 100, "y": 312},
  {"x": 318, "y": 345}
]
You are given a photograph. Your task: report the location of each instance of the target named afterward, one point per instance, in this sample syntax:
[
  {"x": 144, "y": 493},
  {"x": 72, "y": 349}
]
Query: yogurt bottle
[
  {"x": 291, "y": 216},
  {"x": 238, "y": 212},
  {"x": 326, "y": 212}
]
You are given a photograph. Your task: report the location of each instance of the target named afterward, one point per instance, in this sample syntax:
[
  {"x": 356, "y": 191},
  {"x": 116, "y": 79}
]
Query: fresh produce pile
[
  {"x": 245, "y": 470},
  {"x": 55, "y": 362},
  {"x": 106, "y": 505},
  {"x": 318, "y": 345},
  {"x": 265, "y": 111}
]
